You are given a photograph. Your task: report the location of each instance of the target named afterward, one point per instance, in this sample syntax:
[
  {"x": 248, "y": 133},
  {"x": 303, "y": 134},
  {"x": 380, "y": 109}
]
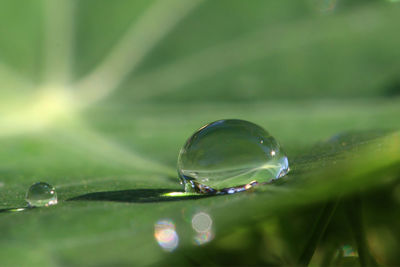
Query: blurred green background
[{"x": 97, "y": 97}]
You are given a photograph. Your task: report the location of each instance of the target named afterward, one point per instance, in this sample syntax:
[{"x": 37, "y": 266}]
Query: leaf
[{"x": 98, "y": 97}]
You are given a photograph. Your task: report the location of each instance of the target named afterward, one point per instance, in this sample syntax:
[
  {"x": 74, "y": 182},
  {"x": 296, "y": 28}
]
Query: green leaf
[{"x": 97, "y": 98}]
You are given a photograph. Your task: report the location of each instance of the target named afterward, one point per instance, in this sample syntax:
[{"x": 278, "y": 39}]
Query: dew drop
[
  {"x": 41, "y": 195},
  {"x": 229, "y": 156}
]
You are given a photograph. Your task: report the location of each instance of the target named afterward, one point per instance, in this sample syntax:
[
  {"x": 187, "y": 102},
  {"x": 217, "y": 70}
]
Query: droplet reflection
[
  {"x": 202, "y": 224},
  {"x": 166, "y": 236}
]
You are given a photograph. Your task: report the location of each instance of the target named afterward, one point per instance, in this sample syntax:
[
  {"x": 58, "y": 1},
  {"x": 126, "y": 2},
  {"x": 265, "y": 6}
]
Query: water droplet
[
  {"x": 229, "y": 156},
  {"x": 41, "y": 195}
]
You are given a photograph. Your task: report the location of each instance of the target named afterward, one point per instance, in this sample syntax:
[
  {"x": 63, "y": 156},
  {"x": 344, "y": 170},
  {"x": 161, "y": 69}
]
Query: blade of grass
[
  {"x": 354, "y": 215},
  {"x": 317, "y": 232},
  {"x": 329, "y": 255}
]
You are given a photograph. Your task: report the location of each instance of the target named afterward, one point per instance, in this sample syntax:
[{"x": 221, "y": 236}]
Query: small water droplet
[
  {"x": 229, "y": 156},
  {"x": 41, "y": 195}
]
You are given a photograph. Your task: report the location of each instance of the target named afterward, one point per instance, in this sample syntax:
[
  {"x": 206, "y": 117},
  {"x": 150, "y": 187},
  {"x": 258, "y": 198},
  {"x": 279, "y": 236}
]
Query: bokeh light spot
[{"x": 165, "y": 235}]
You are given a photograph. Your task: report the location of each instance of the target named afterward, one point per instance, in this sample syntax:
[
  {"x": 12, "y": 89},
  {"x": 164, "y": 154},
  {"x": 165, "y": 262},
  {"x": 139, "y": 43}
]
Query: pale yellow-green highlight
[
  {"x": 180, "y": 194},
  {"x": 37, "y": 111}
]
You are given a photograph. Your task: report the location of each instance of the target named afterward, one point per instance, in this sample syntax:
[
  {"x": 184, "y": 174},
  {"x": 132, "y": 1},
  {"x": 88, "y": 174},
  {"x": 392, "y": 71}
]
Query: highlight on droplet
[{"x": 165, "y": 235}]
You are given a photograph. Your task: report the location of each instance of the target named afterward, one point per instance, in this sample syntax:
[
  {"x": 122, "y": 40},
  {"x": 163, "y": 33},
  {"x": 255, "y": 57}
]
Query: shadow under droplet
[{"x": 136, "y": 196}]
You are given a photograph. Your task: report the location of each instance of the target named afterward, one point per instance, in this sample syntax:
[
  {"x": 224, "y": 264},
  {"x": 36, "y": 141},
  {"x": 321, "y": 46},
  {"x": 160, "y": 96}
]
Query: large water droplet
[
  {"x": 41, "y": 195},
  {"x": 229, "y": 156}
]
